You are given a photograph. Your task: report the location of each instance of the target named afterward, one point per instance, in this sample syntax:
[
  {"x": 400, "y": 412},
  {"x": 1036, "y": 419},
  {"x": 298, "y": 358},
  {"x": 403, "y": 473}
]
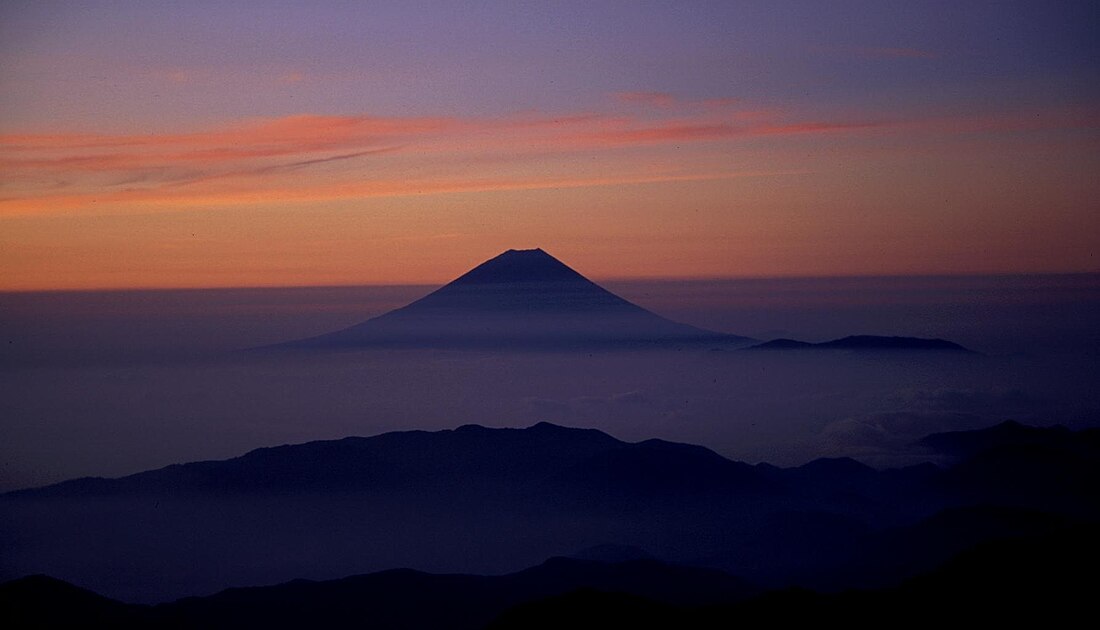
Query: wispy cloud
[
  {"x": 308, "y": 158},
  {"x": 222, "y": 192},
  {"x": 631, "y": 133},
  {"x": 250, "y": 147},
  {"x": 267, "y": 136},
  {"x": 334, "y": 158},
  {"x": 179, "y": 76},
  {"x": 664, "y": 132}
]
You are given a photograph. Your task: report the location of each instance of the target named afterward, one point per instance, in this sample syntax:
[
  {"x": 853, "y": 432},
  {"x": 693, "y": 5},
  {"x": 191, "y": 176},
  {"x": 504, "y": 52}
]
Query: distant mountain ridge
[
  {"x": 399, "y": 459},
  {"x": 519, "y": 299},
  {"x": 1006, "y": 435},
  {"x": 864, "y": 342}
]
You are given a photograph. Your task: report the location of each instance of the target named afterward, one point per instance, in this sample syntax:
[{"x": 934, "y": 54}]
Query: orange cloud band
[{"x": 336, "y": 157}]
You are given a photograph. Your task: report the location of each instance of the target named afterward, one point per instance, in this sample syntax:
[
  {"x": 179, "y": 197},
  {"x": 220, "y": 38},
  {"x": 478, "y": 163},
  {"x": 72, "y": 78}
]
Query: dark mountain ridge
[
  {"x": 397, "y": 598},
  {"x": 420, "y": 460},
  {"x": 1027, "y": 580},
  {"x": 865, "y": 342},
  {"x": 481, "y": 500},
  {"x": 1026, "y": 576}
]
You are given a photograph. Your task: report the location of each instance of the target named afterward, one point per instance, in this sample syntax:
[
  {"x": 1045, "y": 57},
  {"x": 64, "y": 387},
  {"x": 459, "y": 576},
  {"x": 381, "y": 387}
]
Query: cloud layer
[{"x": 339, "y": 157}]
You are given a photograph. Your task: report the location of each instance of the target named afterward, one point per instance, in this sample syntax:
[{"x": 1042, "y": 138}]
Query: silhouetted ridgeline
[
  {"x": 963, "y": 444},
  {"x": 1036, "y": 581},
  {"x": 864, "y": 342},
  {"x": 1031, "y": 579},
  {"x": 478, "y": 500},
  {"x": 390, "y": 599}
]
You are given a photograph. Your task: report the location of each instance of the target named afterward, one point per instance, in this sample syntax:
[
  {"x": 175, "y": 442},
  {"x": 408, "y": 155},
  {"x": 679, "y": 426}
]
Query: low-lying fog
[{"x": 109, "y": 383}]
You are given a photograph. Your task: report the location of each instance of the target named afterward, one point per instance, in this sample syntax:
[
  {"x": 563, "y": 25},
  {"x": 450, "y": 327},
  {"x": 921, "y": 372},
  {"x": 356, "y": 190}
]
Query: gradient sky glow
[{"x": 167, "y": 144}]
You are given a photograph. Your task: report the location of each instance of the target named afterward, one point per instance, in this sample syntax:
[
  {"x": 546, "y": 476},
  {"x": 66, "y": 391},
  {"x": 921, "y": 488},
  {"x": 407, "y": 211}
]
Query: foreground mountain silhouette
[
  {"x": 1022, "y": 578},
  {"x": 398, "y": 598},
  {"x": 482, "y": 500},
  {"x": 1017, "y": 581},
  {"x": 520, "y": 299}
]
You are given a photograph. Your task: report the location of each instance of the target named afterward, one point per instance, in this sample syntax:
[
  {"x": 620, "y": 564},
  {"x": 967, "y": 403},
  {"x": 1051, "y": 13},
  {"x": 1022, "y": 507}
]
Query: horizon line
[{"x": 609, "y": 279}]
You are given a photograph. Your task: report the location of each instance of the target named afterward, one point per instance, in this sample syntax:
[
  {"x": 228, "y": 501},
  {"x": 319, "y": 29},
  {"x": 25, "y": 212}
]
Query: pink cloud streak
[{"x": 343, "y": 156}]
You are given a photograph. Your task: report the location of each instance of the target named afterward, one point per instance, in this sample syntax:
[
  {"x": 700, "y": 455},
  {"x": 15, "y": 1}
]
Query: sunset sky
[{"x": 207, "y": 144}]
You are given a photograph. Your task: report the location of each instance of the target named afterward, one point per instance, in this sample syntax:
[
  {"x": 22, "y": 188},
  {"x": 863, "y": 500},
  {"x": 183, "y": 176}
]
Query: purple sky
[{"x": 319, "y": 143}]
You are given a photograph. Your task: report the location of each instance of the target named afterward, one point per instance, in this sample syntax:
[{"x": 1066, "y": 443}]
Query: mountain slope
[
  {"x": 38, "y": 601},
  {"x": 519, "y": 299},
  {"x": 1030, "y": 581}
]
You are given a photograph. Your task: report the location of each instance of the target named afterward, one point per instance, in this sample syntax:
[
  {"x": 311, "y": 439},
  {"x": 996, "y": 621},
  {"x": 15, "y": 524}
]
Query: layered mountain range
[{"x": 483, "y": 501}]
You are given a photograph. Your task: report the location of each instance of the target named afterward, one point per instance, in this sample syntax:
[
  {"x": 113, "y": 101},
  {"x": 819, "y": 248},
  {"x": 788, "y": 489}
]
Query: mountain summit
[
  {"x": 520, "y": 299},
  {"x": 520, "y": 280},
  {"x": 520, "y": 265}
]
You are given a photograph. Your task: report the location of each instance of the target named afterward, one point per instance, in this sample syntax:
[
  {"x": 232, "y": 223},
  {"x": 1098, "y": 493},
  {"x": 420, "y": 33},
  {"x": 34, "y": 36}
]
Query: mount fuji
[{"x": 521, "y": 299}]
